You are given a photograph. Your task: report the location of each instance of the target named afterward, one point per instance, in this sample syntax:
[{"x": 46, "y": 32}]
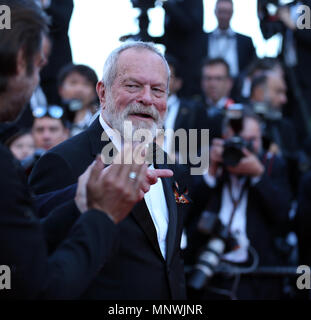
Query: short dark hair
[
  {"x": 28, "y": 24},
  {"x": 16, "y": 136},
  {"x": 81, "y": 69},
  {"x": 259, "y": 81},
  {"x": 212, "y": 62},
  {"x": 263, "y": 64}
]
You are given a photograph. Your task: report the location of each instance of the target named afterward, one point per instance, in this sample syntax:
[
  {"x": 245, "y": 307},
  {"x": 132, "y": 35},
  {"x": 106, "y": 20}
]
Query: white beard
[{"x": 118, "y": 119}]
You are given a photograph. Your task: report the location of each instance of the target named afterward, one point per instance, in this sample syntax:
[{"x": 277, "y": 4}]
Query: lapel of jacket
[
  {"x": 98, "y": 138},
  {"x": 172, "y": 210},
  {"x": 142, "y": 216}
]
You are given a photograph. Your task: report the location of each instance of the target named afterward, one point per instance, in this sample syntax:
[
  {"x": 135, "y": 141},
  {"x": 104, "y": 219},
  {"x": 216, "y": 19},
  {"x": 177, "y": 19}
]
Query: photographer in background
[
  {"x": 248, "y": 191},
  {"x": 268, "y": 97},
  {"x": 216, "y": 84},
  {"x": 295, "y": 54}
]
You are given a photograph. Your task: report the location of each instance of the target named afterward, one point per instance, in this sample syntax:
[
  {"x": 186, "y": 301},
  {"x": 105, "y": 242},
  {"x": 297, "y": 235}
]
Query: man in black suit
[
  {"x": 81, "y": 243},
  {"x": 269, "y": 90},
  {"x": 146, "y": 263},
  {"x": 238, "y": 50},
  {"x": 216, "y": 84},
  {"x": 252, "y": 200}
]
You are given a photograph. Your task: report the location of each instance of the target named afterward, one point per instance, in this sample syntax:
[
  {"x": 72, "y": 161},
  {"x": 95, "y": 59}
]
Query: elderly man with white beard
[{"x": 146, "y": 263}]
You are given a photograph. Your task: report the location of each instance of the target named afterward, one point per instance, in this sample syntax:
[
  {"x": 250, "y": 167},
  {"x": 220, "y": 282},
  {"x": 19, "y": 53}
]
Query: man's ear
[
  {"x": 20, "y": 62},
  {"x": 101, "y": 92}
]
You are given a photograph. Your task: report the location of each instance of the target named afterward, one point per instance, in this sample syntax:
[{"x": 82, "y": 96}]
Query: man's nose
[
  {"x": 145, "y": 96},
  {"x": 46, "y": 135}
]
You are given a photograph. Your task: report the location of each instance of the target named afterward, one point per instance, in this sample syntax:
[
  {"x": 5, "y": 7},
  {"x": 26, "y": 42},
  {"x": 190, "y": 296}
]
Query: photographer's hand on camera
[
  {"x": 249, "y": 165},
  {"x": 283, "y": 14}
]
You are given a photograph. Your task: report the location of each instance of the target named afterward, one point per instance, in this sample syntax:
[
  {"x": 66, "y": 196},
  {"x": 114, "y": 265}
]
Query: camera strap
[{"x": 236, "y": 202}]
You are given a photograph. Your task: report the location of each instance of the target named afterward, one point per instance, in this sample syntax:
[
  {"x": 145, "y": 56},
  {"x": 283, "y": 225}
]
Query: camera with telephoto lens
[
  {"x": 233, "y": 147},
  {"x": 219, "y": 242}
]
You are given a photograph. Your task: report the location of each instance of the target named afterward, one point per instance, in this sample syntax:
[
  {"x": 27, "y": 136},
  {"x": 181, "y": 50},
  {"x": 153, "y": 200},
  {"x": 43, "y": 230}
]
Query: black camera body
[
  {"x": 233, "y": 147},
  {"x": 219, "y": 241},
  {"x": 233, "y": 150}
]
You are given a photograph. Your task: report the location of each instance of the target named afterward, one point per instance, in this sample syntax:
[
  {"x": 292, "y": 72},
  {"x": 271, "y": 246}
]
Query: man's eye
[{"x": 158, "y": 91}]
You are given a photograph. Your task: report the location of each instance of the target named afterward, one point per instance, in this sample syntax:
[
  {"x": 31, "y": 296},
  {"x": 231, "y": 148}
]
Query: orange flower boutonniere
[{"x": 180, "y": 197}]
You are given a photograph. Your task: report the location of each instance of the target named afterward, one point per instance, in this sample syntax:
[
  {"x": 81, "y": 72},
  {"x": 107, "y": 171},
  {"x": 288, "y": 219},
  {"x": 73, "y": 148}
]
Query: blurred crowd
[{"x": 258, "y": 113}]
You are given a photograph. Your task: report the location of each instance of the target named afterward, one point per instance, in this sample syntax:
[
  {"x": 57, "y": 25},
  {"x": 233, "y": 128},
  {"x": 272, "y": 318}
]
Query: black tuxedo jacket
[
  {"x": 83, "y": 242},
  {"x": 246, "y": 50},
  {"x": 185, "y": 118},
  {"x": 137, "y": 269}
]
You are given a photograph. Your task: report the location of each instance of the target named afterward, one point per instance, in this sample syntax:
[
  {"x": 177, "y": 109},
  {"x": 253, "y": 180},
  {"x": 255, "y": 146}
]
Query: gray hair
[{"x": 110, "y": 67}]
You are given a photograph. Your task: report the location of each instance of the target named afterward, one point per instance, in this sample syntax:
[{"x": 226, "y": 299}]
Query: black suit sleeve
[
  {"x": 60, "y": 11},
  {"x": 58, "y": 223},
  {"x": 69, "y": 270},
  {"x": 272, "y": 194},
  {"x": 51, "y": 173}
]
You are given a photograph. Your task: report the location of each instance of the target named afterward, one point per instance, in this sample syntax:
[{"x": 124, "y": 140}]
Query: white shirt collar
[
  {"x": 113, "y": 134},
  {"x": 172, "y": 100}
]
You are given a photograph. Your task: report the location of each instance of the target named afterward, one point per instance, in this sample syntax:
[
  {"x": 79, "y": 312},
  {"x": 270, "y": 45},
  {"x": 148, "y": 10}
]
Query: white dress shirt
[
  {"x": 238, "y": 226},
  {"x": 223, "y": 43},
  {"x": 154, "y": 198}
]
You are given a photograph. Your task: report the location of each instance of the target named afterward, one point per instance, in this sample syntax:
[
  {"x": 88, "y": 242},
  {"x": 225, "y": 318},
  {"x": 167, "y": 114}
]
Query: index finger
[{"x": 163, "y": 173}]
